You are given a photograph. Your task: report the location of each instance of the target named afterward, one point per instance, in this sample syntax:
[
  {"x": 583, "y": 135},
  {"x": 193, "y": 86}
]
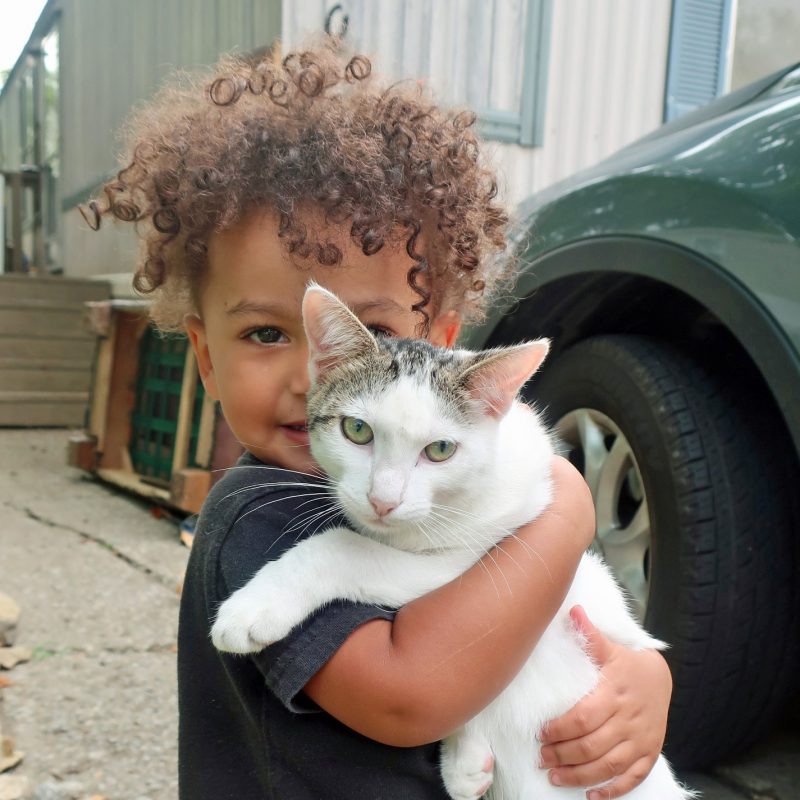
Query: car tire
[{"x": 721, "y": 566}]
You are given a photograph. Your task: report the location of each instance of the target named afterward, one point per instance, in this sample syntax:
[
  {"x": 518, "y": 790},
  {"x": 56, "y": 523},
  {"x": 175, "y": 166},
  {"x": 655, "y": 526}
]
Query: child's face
[{"x": 249, "y": 339}]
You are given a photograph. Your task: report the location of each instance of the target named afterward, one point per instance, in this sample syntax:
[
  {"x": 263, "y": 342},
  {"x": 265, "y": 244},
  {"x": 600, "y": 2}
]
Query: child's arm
[
  {"x": 449, "y": 653},
  {"x": 618, "y": 730}
]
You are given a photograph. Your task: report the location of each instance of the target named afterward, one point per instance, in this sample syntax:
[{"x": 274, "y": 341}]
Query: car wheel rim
[{"x": 599, "y": 449}]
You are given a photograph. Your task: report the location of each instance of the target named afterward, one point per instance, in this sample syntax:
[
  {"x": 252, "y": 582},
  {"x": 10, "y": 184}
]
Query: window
[{"x": 489, "y": 55}]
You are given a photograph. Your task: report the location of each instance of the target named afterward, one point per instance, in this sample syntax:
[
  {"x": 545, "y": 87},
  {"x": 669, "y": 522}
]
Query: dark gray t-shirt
[{"x": 246, "y": 729}]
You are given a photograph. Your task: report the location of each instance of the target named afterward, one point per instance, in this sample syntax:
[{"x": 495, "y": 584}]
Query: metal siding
[
  {"x": 605, "y": 82},
  {"x": 606, "y": 88},
  {"x": 105, "y": 73}
]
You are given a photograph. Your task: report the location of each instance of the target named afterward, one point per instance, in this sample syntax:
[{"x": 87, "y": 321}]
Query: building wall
[
  {"x": 606, "y": 68},
  {"x": 767, "y": 38},
  {"x": 114, "y": 54}
]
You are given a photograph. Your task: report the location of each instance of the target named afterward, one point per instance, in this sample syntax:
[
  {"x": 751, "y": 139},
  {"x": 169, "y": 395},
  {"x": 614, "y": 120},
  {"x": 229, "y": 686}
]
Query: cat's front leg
[
  {"x": 336, "y": 564},
  {"x": 273, "y": 602},
  {"x": 467, "y": 765}
]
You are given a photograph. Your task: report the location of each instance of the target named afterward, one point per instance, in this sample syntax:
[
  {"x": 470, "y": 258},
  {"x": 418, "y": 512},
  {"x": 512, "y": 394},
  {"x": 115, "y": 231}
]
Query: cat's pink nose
[{"x": 382, "y": 508}]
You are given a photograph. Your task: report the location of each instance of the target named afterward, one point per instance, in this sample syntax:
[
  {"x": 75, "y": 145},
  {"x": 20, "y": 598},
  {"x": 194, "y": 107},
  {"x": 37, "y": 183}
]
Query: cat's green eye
[
  {"x": 441, "y": 450},
  {"x": 356, "y": 430}
]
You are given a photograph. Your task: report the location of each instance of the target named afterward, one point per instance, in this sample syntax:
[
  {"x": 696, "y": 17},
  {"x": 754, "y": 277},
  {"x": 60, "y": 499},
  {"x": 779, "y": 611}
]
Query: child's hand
[{"x": 617, "y": 731}]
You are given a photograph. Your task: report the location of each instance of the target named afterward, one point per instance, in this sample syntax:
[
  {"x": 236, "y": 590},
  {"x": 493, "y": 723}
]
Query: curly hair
[{"x": 319, "y": 131}]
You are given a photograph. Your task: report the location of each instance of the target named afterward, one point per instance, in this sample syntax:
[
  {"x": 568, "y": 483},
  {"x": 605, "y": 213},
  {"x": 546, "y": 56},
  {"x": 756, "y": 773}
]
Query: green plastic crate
[{"x": 154, "y": 420}]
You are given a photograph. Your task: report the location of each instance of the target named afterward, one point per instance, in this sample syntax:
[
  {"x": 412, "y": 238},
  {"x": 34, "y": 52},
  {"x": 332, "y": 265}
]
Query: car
[{"x": 668, "y": 278}]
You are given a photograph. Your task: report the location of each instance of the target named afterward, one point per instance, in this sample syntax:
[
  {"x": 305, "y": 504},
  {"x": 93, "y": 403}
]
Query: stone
[
  {"x": 58, "y": 790},
  {"x": 10, "y": 760},
  {"x": 11, "y": 656},
  {"x": 9, "y": 617},
  {"x": 14, "y": 787}
]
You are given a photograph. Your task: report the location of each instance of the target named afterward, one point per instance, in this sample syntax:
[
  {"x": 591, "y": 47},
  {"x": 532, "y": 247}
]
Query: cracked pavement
[{"x": 97, "y": 577}]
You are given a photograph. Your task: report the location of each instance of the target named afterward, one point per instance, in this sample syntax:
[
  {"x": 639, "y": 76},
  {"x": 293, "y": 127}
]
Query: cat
[{"x": 434, "y": 461}]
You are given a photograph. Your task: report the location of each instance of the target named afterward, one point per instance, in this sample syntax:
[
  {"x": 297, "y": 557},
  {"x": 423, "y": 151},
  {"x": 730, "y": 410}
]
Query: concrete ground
[{"x": 97, "y": 576}]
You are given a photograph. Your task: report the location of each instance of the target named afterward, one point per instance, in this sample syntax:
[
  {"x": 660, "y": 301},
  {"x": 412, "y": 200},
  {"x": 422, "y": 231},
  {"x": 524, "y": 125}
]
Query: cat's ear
[
  {"x": 495, "y": 377},
  {"x": 333, "y": 332}
]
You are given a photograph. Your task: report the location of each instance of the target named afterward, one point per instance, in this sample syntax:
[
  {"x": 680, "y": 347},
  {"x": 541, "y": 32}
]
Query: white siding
[
  {"x": 606, "y": 76},
  {"x": 767, "y": 39},
  {"x": 608, "y": 63}
]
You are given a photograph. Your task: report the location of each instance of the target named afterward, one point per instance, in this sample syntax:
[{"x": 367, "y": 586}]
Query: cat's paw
[
  {"x": 246, "y": 623},
  {"x": 468, "y": 771}
]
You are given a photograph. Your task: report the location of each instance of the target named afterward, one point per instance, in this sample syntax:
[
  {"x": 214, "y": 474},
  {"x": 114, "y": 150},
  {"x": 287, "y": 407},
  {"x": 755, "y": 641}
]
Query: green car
[{"x": 668, "y": 277}]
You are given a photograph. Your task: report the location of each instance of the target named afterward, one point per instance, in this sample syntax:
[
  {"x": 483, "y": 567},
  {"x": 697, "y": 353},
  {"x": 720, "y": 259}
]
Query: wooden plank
[
  {"x": 63, "y": 290},
  {"x": 183, "y": 430},
  {"x": 82, "y": 451},
  {"x": 44, "y": 364},
  {"x": 60, "y": 414},
  {"x": 189, "y": 488},
  {"x": 132, "y": 483},
  {"x": 19, "y": 347},
  {"x": 44, "y": 380},
  {"x": 34, "y": 396},
  {"x": 122, "y": 394},
  {"x": 101, "y": 385},
  {"x": 40, "y": 324},
  {"x": 34, "y": 304}
]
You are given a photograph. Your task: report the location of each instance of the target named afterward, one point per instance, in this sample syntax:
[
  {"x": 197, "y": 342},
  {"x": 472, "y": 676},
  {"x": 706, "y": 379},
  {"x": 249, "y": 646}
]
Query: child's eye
[
  {"x": 265, "y": 336},
  {"x": 379, "y": 330}
]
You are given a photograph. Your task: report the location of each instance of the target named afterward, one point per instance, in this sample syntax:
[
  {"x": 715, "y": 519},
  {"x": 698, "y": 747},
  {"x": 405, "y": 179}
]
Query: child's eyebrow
[
  {"x": 378, "y": 304},
  {"x": 251, "y": 307}
]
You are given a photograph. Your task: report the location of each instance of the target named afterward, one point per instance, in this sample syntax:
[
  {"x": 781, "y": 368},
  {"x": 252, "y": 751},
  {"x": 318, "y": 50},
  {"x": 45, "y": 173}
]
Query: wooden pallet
[{"x": 103, "y": 447}]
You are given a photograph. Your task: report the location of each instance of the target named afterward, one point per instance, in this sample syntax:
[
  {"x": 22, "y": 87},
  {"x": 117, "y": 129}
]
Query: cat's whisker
[
  {"x": 305, "y": 520},
  {"x": 269, "y": 503},
  {"x": 447, "y": 525},
  {"x": 503, "y": 532},
  {"x": 321, "y": 475},
  {"x": 533, "y": 553},
  {"x": 270, "y": 485},
  {"x": 421, "y": 528},
  {"x": 288, "y": 530},
  {"x": 478, "y": 537}
]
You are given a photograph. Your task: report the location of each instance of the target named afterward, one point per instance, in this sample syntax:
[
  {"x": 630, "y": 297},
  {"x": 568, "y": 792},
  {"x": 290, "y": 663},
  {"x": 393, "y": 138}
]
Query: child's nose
[{"x": 299, "y": 382}]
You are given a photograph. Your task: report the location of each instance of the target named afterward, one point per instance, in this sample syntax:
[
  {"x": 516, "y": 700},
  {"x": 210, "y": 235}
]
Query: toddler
[{"x": 244, "y": 189}]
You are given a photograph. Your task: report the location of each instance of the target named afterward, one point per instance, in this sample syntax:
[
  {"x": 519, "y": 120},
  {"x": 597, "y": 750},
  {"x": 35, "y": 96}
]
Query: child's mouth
[{"x": 297, "y": 432}]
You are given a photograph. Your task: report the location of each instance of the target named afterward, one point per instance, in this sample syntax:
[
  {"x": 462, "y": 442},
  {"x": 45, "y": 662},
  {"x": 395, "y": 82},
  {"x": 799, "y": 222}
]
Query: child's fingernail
[
  {"x": 594, "y": 796},
  {"x": 555, "y": 778}
]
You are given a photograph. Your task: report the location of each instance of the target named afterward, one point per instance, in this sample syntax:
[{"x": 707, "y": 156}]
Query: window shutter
[{"x": 698, "y": 68}]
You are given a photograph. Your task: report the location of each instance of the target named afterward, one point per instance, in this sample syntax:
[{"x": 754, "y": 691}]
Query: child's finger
[
  {"x": 580, "y": 751},
  {"x": 614, "y": 764},
  {"x": 623, "y": 784},
  {"x": 582, "y": 719},
  {"x": 599, "y": 647}
]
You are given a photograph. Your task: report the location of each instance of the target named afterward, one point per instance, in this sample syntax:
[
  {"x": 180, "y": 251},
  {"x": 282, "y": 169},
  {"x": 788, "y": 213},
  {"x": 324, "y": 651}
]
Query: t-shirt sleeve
[{"x": 262, "y": 533}]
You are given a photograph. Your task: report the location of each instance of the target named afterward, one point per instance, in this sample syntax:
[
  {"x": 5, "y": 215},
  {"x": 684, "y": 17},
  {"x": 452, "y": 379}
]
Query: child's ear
[
  {"x": 196, "y": 331},
  {"x": 335, "y": 335},
  {"x": 444, "y": 329},
  {"x": 495, "y": 377}
]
